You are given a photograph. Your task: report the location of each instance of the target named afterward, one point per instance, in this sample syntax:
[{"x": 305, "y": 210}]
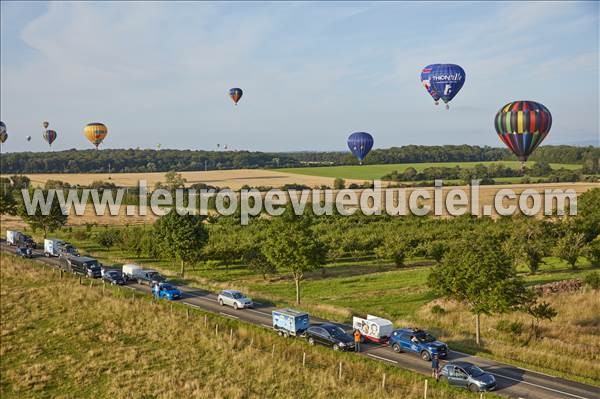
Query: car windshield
[
  {"x": 167, "y": 287},
  {"x": 335, "y": 331},
  {"x": 92, "y": 264},
  {"x": 114, "y": 274},
  {"x": 155, "y": 275},
  {"x": 237, "y": 295},
  {"x": 474, "y": 371},
  {"x": 425, "y": 337}
]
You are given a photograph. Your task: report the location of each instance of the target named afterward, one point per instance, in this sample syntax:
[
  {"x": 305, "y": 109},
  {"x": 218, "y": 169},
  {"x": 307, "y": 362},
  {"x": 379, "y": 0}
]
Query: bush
[
  {"x": 593, "y": 280},
  {"x": 80, "y": 235},
  {"x": 437, "y": 310},
  {"x": 513, "y": 328}
]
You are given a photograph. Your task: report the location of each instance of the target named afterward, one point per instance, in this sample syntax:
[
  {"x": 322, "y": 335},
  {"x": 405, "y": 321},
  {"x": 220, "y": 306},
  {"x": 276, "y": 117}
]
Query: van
[
  {"x": 13, "y": 237},
  {"x": 52, "y": 247},
  {"x": 83, "y": 265}
]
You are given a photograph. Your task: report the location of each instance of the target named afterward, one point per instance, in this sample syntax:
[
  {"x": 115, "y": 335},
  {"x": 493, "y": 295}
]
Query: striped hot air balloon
[
  {"x": 522, "y": 126},
  {"x": 50, "y": 136},
  {"x": 3, "y": 133},
  {"x": 95, "y": 132}
]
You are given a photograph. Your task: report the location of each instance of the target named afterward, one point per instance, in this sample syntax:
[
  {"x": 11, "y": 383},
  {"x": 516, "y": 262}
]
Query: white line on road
[
  {"x": 266, "y": 326},
  {"x": 192, "y": 305},
  {"x": 228, "y": 315},
  {"x": 259, "y": 312},
  {"x": 539, "y": 386},
  {"x": 382, "y": 358}
]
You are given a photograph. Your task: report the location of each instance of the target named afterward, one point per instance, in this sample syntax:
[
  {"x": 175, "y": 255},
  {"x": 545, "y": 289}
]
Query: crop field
[
  {"x": 371, "y": 172},
  {"x": 71, "y": 340}
]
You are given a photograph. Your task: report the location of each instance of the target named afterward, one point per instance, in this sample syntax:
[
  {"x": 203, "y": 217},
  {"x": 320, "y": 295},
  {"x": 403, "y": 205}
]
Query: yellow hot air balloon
[{"x": 95, "y": 133}]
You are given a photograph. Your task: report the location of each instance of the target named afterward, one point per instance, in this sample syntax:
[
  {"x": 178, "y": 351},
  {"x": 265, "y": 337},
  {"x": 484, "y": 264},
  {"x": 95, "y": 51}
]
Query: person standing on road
[
  {"x": 357, "y": 338},
  {"x": 435, "y": 367},
  {"x": 155, "y": 289}
]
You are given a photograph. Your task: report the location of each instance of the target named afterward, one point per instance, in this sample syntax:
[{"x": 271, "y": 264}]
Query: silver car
[
  {"x": 235, "y": 299},
  {"x": 467, "y": 375}
]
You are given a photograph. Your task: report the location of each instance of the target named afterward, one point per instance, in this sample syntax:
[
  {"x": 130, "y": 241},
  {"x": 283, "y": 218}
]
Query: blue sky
[{"x": 312, "y": 73}]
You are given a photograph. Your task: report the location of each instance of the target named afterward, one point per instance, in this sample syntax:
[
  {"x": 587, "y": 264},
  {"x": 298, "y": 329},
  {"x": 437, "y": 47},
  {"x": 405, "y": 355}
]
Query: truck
[
  {"x": 373, "y": 328},
  {"x": 52, "y": 247},
  {"x": 13, "y": 237},
  {"x": 290, "y": 322},
  {"x": 82, "y": 265}
]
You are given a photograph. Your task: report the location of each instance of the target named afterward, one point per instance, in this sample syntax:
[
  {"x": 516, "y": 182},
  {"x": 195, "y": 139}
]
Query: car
[
  {"x": 467, "y": 375},
  {"x": 235, "y": 299},
  {"x": 417, "y": 341},
  {"x": 166, "y": 291},
  {"x": 114, "y": 277},
  {"x": 25, "y": 252},
  {"x": 329, "y": 335}
]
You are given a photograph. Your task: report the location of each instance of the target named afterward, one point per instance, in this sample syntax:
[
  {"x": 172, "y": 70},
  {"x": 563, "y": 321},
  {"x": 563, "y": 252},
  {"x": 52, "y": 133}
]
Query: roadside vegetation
[{"x": 60, "y": 338}]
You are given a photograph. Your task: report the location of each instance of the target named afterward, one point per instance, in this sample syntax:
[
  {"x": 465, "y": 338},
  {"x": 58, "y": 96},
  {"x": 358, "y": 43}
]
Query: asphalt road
[{"x": 512, "y": 381}]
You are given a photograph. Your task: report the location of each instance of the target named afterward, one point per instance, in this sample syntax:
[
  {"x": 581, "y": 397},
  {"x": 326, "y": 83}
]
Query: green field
[{"x": 372, "y": 172}]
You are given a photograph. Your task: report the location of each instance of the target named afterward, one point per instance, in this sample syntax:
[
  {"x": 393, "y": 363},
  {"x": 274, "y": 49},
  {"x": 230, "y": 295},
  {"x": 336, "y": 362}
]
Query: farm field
[
  {"x": 371, "y": 172},
  {"x": 146, "y": 349}
]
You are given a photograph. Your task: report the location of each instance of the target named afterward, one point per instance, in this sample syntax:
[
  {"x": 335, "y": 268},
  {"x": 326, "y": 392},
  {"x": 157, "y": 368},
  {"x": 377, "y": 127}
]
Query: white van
[
  {"x": 52, "y": 247},
  {"x": 13, "y": 237}
]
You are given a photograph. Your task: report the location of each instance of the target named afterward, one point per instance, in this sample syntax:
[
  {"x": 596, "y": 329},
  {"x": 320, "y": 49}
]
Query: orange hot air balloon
[
  {"x": 95, "y": 132},
  {"x": 46, "y": 124}
]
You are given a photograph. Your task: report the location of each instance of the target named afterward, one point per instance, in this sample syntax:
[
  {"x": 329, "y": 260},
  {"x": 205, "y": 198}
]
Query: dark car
[
  {"x": 467, "y": 375},
  {"x": 28, "y": 241},
  {"x": 25, "y": 252},
  {"x": 329, "y": 335},
  {"x": 419, "y": 342},
  {"x": 114, "y": 277}
]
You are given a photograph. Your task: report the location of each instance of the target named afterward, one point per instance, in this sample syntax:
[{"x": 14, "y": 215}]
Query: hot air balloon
[
  {"x": 235, "y": 94},
  {"x": 360, "y": 143},
  {"x": 50, "y": 136},
  {"x": 522, "y": 126},
  {"x": 46, "y": 124},
  {"x": 447, "y": 80},
  {"x": 28, "y": 138},
  {"x": 425, "y": 74},
  {"x": 3, "y": 134},
  {"x": 95, "y": 133},
  {"x": 2, "y": 127}
]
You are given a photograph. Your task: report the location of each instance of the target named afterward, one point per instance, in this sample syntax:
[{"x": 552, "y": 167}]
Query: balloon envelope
[
  {"x": 46, "y": 124},
  {"x": 425, "y": 80},
  {"x": 522, "y": 126},
  {"x": 50, "y": 136},
  {"x": 360, "y": 143},
  {"x": 95, "y": 132},
  {"x": 28, "y": 138},
  {"x": 447, "y": 80},
  {"x": 236, "y": 93}
]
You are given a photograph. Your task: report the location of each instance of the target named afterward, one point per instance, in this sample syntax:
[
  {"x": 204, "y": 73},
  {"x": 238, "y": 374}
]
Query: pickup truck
[
  {"x": 148, "y": 276},
  {"x": 417, "y": 341}
]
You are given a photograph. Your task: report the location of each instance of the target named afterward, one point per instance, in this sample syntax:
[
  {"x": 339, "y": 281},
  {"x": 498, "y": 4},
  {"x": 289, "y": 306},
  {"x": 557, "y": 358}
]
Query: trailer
[
  {"x": 129, "y": 269},
  {"x": 373, "y": 328},
  {"x": 13, "y": 237},
  {"x": 290, "y": 322},
  {"x": 52, "y": 247}
]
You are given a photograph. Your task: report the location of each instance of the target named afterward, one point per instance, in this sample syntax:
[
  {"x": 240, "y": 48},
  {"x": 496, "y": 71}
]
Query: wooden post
[
  {"x": 103, "y": 286},
  {"x": 481, "y": 395},
  {"x": 340, "y": 373},
  {"x": 91, "y": 283},
  {"x": 171, "y": 308},
  {"x": 79, "y": 280},
  {"x": 251, "y": 342},
  {"x": 304, "y": 359},
  {"x": 231, "y": 335},
  {"x": 61, "y": 273},
  {"x": 187, "y": 313},
  {"x": 216, "y": 329},
  {"x": 383, "y": 382},
  {"x": 273, "y": 351},
  {"x": 425, "y": 393},
  {"x": 205, "y": 320}
]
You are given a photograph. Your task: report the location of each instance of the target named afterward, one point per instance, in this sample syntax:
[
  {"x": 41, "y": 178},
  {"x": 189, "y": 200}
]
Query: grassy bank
[{"x": 62, "y": 339}]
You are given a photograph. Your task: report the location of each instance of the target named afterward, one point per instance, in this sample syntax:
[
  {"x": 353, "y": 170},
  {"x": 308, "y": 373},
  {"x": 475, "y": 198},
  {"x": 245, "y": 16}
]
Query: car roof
[
  {"x": 232, "y": 291},
  {"x": 411, "y": 330},
  {"x": 460, "y": 364}
]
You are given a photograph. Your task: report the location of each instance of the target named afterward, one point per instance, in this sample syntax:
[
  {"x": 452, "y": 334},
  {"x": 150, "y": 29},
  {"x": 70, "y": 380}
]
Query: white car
[{"x": 235, "y": 299}]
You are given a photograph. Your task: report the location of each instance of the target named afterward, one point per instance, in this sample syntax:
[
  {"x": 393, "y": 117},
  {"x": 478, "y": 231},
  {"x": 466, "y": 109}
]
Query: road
[{"x": 513, "y": 382}]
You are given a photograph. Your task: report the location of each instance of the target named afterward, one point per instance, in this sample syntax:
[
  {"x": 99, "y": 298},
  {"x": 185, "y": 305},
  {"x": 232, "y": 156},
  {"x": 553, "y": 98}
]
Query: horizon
[{"x": 309, "y": 78}]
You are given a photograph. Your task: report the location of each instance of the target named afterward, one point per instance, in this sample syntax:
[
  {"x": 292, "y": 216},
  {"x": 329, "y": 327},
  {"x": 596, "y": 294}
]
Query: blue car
[
  {"x": 417, "y": 341},
  {"x": 166, "y": 291}
]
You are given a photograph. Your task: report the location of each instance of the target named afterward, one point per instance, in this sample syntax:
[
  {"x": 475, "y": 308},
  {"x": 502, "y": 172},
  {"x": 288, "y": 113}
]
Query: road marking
[
  {"x": 266, "y": 326},
  {"x": 382, "y": 358},
  {"x": 539, "y": 386},
  {"x": 192, "y": 305},
  {"x": 228, "y": 315},
  {"x": 258, "y": 303},
  {"x": 258, "y": 311}
]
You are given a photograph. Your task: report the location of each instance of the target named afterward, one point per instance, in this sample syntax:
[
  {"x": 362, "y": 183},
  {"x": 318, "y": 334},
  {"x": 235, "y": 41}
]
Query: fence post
[
  {"x": 91, "y": 283},
  {"x": 216, "y": 329},
  {"x": 273, "y": 351},
  {"x": 481, "y": 395},
  {"x": 79, "y": 280},
  {"x": 171, "y": 308},
  {"x": 304, "y": 359},
  {"x": 231, "y": 335},
  {"x": 205, "y": 320},
  {"x": 251, "y": 342},
  {"x": 187, "y": 312},
  {"x": 425, "y": 394},
  {"x": 103, "y": 286},
  {"x": 61, "y": 273},
  {"x": 383, "y": 382},
  {"x": 340, "y": 373}
]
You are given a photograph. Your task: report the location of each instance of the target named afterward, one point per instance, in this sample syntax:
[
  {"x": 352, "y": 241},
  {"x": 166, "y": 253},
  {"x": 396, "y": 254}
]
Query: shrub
[
  {"x": 514, "y": 328},
  {"x": 437, "y": 310},
  {"x": 80, "y": 235},
  {"x": 593, "y": 280}
]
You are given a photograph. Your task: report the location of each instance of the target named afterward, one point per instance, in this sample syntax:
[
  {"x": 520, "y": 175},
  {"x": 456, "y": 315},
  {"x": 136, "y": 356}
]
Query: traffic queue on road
[{"x": 286, "y": 322}]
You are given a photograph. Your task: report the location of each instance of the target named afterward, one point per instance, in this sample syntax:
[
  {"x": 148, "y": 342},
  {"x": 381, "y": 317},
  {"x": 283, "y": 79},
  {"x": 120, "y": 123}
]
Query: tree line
[{"x": 146, "y": 160}]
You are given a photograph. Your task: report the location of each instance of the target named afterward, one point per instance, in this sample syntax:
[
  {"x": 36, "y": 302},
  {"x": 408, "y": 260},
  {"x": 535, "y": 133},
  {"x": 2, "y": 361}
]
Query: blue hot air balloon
[
  {"x": 425, "y": 75},
  {"x": 447, "y": 80},
  {"x": 236, "y": 93},
  {"x": 360, "y": 143}
]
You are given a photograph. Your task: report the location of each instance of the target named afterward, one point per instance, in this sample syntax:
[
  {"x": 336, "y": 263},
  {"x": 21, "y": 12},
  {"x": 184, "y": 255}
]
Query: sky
[{"x": 312, "y": 73}]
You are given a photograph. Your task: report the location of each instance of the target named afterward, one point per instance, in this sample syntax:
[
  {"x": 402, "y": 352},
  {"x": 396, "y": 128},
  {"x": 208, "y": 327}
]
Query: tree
[
  {"x": 570, "y": 247},
  {"x": 528, "y": 242},
  {"x": 339, "y": 184},
  {"x": 8, "y": 203},
  {"x": 436, "y": 250},
  {"x": 48, "y": 223},
  {"x": 587, "y": 220},
  {"x": 538, "y": 312},
  {"x": 477, "y": 272},
  {"x": 173, "y": 181},
  {"x": 291, "y": 246},
  {"x": 258, "y": 262},
  {"x": 181, "y": 237},
  {"x": 108, "y": 237}
]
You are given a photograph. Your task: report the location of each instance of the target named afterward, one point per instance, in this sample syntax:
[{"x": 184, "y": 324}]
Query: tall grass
[{"x": 62, "y": 339}]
